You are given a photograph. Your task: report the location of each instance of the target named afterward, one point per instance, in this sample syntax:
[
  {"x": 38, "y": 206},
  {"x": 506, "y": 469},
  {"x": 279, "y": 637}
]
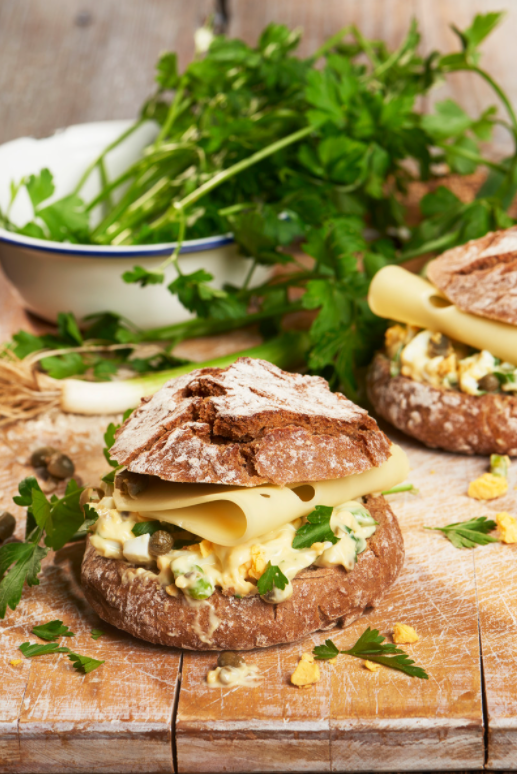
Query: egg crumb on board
[
  {"x": 15, "y": 661},
  {"x": 371, "y": 666},
  {"x": 507, "y": 526},
  {"x": 307, "y": 672},
  {"x": 488, "y": 487},
  {"x": 403, "y": 634}
]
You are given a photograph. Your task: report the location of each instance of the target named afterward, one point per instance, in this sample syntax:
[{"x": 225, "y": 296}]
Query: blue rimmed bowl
[{"x": 52, "y": 277}]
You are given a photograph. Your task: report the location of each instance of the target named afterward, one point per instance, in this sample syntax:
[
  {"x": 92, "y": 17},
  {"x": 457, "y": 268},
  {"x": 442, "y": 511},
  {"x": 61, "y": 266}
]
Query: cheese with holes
[
  {"x": 396, "y": 294},
  {"x": 230, "y": 516}
]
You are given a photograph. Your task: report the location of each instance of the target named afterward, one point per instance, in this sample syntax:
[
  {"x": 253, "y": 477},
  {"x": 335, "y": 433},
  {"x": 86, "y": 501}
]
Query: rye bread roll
[
  {"x": 444, "y": 419},
  {"x": 480, "y": 276},
  {"x": 322, "y": 598},
  {"x": 246, "y": 425}
]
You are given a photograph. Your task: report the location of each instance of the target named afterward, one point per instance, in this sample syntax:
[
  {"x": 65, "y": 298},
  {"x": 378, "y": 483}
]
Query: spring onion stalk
[{"x": 82, "y": 397}]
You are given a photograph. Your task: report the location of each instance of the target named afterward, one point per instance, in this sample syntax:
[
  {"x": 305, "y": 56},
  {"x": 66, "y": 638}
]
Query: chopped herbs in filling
[
  {"x": 264, "y": 565},
  {"x": 437, "y": 360}
]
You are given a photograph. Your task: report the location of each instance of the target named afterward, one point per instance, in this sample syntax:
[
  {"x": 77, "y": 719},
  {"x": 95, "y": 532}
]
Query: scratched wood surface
[
  {"x": 64, "y": 62},
  {"x": 70, "y": 61},
  {"x": 354, "y": 720},
  {"x": 126, "y": 716}
]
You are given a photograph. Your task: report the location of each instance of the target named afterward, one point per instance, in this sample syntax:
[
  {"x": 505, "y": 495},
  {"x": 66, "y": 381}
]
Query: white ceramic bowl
[{"x": 52, "y": 277}]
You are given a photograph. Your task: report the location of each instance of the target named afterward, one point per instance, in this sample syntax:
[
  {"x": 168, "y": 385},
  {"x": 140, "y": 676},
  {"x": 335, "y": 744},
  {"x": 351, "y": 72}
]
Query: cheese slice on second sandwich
[
  {"x": 229, "y": 515},
  {"x": 397, "y": 294}
]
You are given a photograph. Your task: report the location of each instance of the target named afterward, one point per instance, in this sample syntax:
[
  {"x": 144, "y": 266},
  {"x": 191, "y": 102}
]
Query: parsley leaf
[
  {"x": 272, "y": 576},
  {"x": 27, "y": 558},
  {"x": 143, "y": 277},
  {"x": 146, "y": 528},
  {"x": 317, "y": 529},
  {"x": 96, "y": 633},
  {"x": 40, "y": 187},
  {"x": 371, "y": 646},
  {"x": 52, "y": 630},
  {"x": 326, "y": 651},
  {"x": 470, "y": 533},
  {"x": 35, "y": 649},
  {"x": 64, "y": 366},
  {"x": 58, "y": 518},
  {"x": 84, "y": 664}
]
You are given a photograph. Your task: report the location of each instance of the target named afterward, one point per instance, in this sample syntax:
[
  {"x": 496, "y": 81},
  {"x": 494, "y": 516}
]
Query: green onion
[{"x": 83, "y": 397}]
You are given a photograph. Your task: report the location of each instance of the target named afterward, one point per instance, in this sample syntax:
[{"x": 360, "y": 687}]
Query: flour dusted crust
[
  {"x": 249, "y": 424},
  {"x": 480, "y": 277},
  {"x": 322, "y": 598},
  {"x": 444, "y": 419}
]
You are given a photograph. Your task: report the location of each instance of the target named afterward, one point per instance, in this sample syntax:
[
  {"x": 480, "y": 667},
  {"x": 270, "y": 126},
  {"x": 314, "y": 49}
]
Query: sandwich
[
  {"x": 447, "y": 375},
  {"x": 246, "y": 513}
]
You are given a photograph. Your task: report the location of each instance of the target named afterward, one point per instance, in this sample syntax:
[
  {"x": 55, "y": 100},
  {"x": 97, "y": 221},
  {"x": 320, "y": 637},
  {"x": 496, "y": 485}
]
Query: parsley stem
[
  {"x": 400, "y": 488},
  {"x": 200, "y": 327},
  {"x": 466, "y": 154},
  {"x": 105, "y": 182},
  {"x": 89, "y": 169},
  {"x": 181, "y": 236},
  {"x": 171, "y": 116},
  {"x": 330, "y": 43},
  {"x": 225, "y": 174}
]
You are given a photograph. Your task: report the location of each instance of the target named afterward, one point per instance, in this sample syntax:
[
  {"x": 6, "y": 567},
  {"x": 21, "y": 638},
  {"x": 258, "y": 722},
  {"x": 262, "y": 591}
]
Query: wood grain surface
[
  {"x": 354, "y": 720},
  {"x": 148, "y": 709},
  {"x": 70, "y": 61},
  {"x": 124, "y": 718}
]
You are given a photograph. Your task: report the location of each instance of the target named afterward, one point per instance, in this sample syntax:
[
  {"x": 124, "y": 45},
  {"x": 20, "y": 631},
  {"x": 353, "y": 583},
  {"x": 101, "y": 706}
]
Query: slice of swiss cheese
[
  {"x": 397, "y": 294},
  {"x": 229, "y": 515}
]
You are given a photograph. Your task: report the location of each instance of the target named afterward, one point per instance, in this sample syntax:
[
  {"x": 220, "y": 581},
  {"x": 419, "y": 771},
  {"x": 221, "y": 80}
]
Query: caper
[
  {"x": 60, "y": 466},
  {"x": 7, "y": 525},
  {"x": 41, "y": 456},
  {"x": 228, "y": 658},
  {"x": 489, "y": 383},
  {"x": 160, "y": 543},
  {"x": 131, "y": 484},
  {"x": 276, "y": 596},
  {"x": 42, "y": 473},
  {"x": 439, "y": 345}
]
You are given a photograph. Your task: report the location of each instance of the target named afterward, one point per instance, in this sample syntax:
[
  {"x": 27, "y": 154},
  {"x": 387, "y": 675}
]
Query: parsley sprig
[
  {"x": 56, "y": 521},
  {"x": 470, "y": 533},
  {"x": 84, "y": 664},
  {"x": 317, "y": 529},
  {"x": 371, "y": 646},
  {"x": 52, "y": 630},
  {"x": 272, "y": 576}
]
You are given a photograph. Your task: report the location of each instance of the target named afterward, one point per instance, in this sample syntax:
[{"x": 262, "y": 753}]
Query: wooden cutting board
[{"x": 149, "y": 709}]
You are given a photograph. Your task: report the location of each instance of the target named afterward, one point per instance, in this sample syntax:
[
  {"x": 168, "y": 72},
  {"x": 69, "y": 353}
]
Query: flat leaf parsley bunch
[
  {"x": 55, "y": 522},
  {"x": 278, "y": 149}
]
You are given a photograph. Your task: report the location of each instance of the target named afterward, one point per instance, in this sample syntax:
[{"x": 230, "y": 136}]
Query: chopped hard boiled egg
[
  {"x": 371, "y": 666},
  {"x": 403, "y": 634},
  {"x": 472, "y": 369},
  {"x": 15, "y": 661},
  {"x": 307, "y": 672},
  {"x": 507, "y": 526},
  {"x": 136, "y": 550},
  {"x": 488, "y": 487}
]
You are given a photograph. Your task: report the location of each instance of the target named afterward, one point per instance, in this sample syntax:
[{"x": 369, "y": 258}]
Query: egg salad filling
[
  {"x": 184, "y": 563},
  {"x": 433, "y": 358}
]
